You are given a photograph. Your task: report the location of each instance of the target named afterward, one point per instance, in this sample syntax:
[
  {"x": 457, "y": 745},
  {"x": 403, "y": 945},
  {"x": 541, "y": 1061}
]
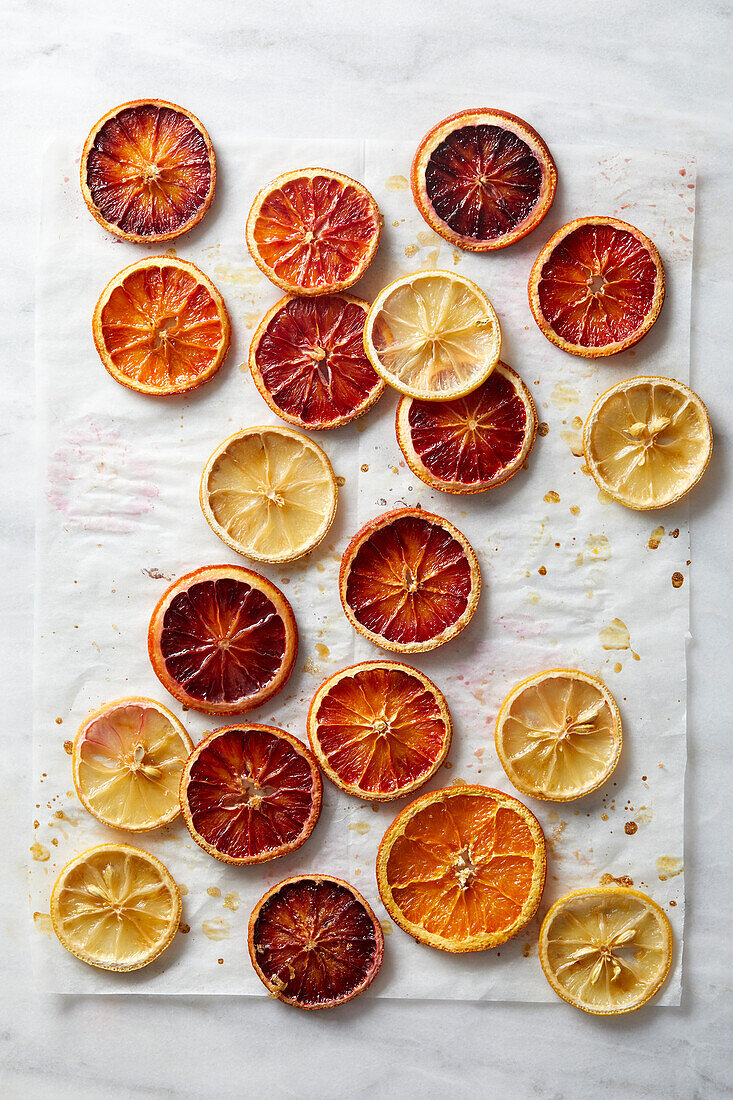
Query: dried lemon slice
[
  {"x": 269, "y": 493},
  {"x": 433, "y": 335},
  {"x": 115, "y": 907},
  {"x": 128, "y": 758},
  {"x": 606, "y": 949},
  {"x": 647, "y": 441},
  {"x": 558, "y": 734}
]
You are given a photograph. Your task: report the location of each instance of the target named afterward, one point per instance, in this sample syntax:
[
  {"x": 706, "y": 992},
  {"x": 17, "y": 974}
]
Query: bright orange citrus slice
[
  {"x": 606, "y": 949},
  {"x": 127, "y": 758},
  {"x": 462, "y": 869},
  {"x": 313, "y": 231},
  {"x": 379, "y": 729},
  {"x": 161, "y": 327}
]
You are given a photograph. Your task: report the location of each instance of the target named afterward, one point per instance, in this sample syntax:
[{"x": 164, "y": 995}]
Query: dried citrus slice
[
  {"x": 379, "y": 729},
  {"x": 115, "y": 907},
  {"x": 308, "y": 361},
  {"x": 606, "y": 949},
  {"x": 596, "y": 287},
  {"x": 471, "y": 444},
  {"x": 558, "y": 734},
  {"x": 161, "y": 326},
  {"x": 462, "y": 869},
  {"x": 127, "y": 758},
  {"x": 433, "y": 335},
  {"x": 647, "y": 441},
  {"x": 269, "y": 493},
  {"x": 409, "y": 580},
  {"x": 250, "y": 793},
  {"x": 315, "y": 942},
  {"x": 223, "y": 639},
  {"x": 483, "y": 179},
  {"x": 313, "y": 231},
  {"x": 148, "y": 171}
]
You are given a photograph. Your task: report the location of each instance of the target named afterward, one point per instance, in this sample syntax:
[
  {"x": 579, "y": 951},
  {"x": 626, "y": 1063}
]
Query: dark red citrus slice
[
  {"x": 596, "y": 287},
  {"x": 148, "y": 171},
  {"x": 308, "y": 361},
  {"x": 483, "y": 179},
  {"x": 315, "y": 942},
  {"x": 379, "y": 729},
  {"x": 250, "y": 793},
  {"x": 473, "y": 443},
  {"x": 223, "y": 639},
  {"x": 313, "y": 231},
  {"x": 409, "y": 580}
]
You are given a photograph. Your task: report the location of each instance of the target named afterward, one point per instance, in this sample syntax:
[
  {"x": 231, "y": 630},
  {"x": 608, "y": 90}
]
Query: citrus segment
[
  {"x": 307, "y": 360},
  {"x": 433, "y": 335},
  {"x": 250, "y": 794},
  {"x": 313, "y": 231},
  {"x": 223, "y": 639},
  {"x": 462, "y": 869},
  {"x": 473, "y": 443},
  {"x": 483, "y": 179},
  {"x": 127, "y": 759},
  {"x": 606, "y": 950},
  {"x": 161, "y": 327},
  {"x": 409, "y": 580},
  {"x": 558, "y": 735},
  {"x": 315, "y": 942},
  {"x": 647, "y": 441},
  {"x": 148, "y": 171},
  {"x": 379, "y": 729},
  {"x": 269, "y": 493},
  {"x": 115, "y": 907},
  {"x": 596, "y": 287}
]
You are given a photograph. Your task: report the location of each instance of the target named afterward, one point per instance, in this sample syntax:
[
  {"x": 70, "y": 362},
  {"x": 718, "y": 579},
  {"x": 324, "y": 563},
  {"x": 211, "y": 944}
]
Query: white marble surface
[{"x": 653, "y": 74}]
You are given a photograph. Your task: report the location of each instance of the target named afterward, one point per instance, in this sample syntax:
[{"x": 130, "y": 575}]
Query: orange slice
[
  {"x": 647, "y": 441},
  {"x": 379, "y": 729},
  {"x": 606, "y": 949},
  {"x": 222, "y": 639},
  {"x": 313, "y": 231},
  {"x": 127, "y": 759},
  {"x": 483, "y": 179},
  {"x": 409, "y": 581},
  {"x": 161, "y": 327},
  {"x": 471, "y": 444},
  {"x": 462, "y": 869},
  {"x": 433, "y": 335},
  {"x": 596, "y": 287},
  {"x": 250, "y": 794},
  {"x": 269, "y": 493},
  {"x": 115, "y": 907},
  {"x": 558, "y": 734},
  {"x": 314, "y": 942},
  {"x": 148, "y": 171}
]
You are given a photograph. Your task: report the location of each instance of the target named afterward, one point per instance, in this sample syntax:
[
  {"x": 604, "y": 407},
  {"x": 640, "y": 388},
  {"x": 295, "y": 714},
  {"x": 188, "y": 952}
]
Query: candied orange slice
[
  {"x": 462, "y": 869},
  {"x": 379, "y": 729},
  {"x": 161, "y": 326}
]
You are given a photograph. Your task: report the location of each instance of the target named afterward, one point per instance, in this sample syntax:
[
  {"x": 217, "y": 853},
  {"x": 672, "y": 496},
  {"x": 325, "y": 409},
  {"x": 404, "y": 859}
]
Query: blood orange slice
[
  {"x": 223, "y": 639},
  {"x": 596, "y": 287},
  {"x": 250, "y": 794},
  {"x": 308, "y": 361},
  {"x": 483, "y": 179},
  {"x": 315, "y": 942},
  {"x": 409, "y": 580},
  {"x": 161, "y": 326},
  {"x": 379, "y": 729},
  {"x": 462, "y": 869},
  {"x": 148, "y": 171},
  {"x": 313, "y": 231},
  {"x": 473, "y": 443}
]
